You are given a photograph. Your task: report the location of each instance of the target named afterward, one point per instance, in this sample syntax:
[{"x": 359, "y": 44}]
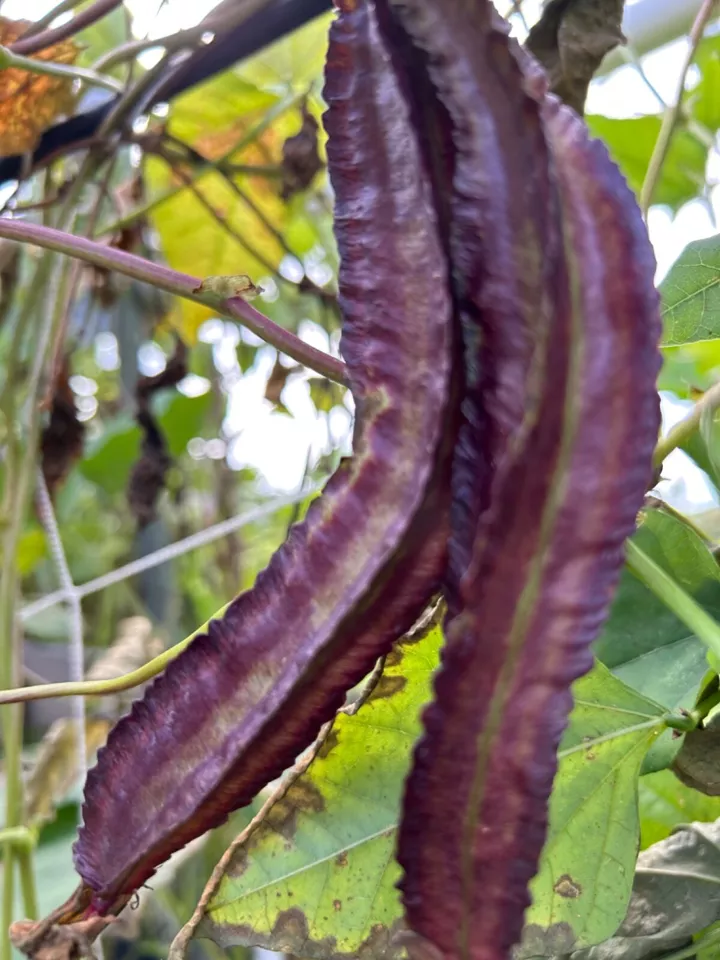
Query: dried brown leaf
[
  {"x": 56, "y": 766},
  {"x": 31, "y": 102},
  {"x": 571, "y": 39}
]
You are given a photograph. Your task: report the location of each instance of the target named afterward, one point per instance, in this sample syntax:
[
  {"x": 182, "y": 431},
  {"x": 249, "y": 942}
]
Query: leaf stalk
[
  {"x": 49, "y": 68},
  {"x": 674, "y": 597}
]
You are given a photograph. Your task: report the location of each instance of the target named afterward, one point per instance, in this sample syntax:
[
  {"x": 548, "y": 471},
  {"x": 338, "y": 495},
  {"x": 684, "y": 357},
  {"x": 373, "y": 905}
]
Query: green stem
[
  {"x": 674, "y": 597},
  {"x": 683, "y": 723},
  {"x": 27, "y": 883},
  {"x": 708, "y": 403},
  {"x": 21, "y": 837},
  {"x": 180, "y": 284},
  {"x": 20, "y": 467},
  {"x": 102, "y": 688},
  {"x": 701, "y": 711},
  {"x": 51, "y": 69},
  {"x": 672, "y": 114},
  {"x": 42, "y": 39}
]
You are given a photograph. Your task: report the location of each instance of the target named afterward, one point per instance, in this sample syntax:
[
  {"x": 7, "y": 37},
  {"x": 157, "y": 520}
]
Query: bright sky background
[{"x": 278, "y": 445}]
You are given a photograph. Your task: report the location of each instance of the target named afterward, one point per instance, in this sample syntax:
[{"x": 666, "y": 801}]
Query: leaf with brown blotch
[
  {"x": 556, "y": 273},
  {"x": 31, "y": 102},
  {"x": 240, "y": 703}
]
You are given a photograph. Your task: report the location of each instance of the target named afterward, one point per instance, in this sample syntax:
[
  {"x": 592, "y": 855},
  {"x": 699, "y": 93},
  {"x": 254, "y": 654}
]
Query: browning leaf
[
  {"x": 31, "y": 102},
  {"x": 61, "y": 443},
  {"x": 55, "y": 768},
  {"x": 356, "y": 574},
  {"x": 571, "y": 39},
  {"x": 147, "y": 480},
  {"x": 697, "y": 764},
  {"x": 300, "y": 157},
  {"x": 556, "y": 277}
]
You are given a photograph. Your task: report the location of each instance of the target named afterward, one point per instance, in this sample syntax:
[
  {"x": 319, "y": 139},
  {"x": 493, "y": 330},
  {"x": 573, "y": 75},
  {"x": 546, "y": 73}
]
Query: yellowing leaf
[{"x": 31, "y": 102}]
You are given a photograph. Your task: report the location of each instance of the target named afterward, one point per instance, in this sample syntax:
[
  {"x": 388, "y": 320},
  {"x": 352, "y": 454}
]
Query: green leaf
[
  {"x": 666, "y": 803},
  {"x": 704, "y": 101},
  {"x": 643, "y": 642},
  {"x": 631, "y": 144},
  {"x": 31, "y": 549},
  {"x": 104, "y": 35},
  {"x": 111, "y": 457},
  {"x": 690, "y": 294},
  {"x": 676, "y": 895},
  {"x": 319, "y": 874},
  {"x": 581, "y": 891},
  {"x": 181, "y": 418}
]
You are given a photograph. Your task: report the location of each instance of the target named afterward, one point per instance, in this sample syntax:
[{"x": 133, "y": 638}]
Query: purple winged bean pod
[
  {"x": 469, "y": 205},
  {"x": 561, "y": 324},
  {"x": 236, "y": 708}
]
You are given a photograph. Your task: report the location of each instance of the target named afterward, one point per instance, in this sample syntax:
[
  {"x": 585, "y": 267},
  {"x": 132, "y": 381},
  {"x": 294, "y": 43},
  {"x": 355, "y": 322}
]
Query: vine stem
[
  {"x": 180, "y": 284},
  {"x": 20, "y": 470},
  {"x": 46, "y": 513},
  {"x": 104, "y": 688},
  {"x": 672, "y": 114},
  {"x": 51, "y": 69},
  {"x": 672, "y": 595},
  {"x": 46, "y": 38},
  {"x": 708, "y": 403},
  {"x": 65, "y": 6}
]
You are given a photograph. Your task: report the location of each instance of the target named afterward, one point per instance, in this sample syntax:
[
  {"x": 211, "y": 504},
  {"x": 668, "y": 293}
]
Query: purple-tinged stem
[
  {"x": 40, "y": 41},
  {"x": 180, "y": 284}
]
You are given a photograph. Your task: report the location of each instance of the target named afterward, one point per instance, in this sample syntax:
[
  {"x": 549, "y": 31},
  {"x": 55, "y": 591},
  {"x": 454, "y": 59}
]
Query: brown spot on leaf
[
  {"x": 567, "y": 887},
  {"x": 388, "y": 687},
  {"x": 537, "y": 941},
  {"x": 330, "y": 742},
  {"x": 291, "y": 934}
]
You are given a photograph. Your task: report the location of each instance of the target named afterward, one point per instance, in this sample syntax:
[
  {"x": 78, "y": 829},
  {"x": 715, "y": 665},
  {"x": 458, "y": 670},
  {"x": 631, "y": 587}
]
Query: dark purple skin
[
  {"x": 242, "y": 701},
  {"x": 555, "y": 456},
  {"x": 463, "y": 190}
]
